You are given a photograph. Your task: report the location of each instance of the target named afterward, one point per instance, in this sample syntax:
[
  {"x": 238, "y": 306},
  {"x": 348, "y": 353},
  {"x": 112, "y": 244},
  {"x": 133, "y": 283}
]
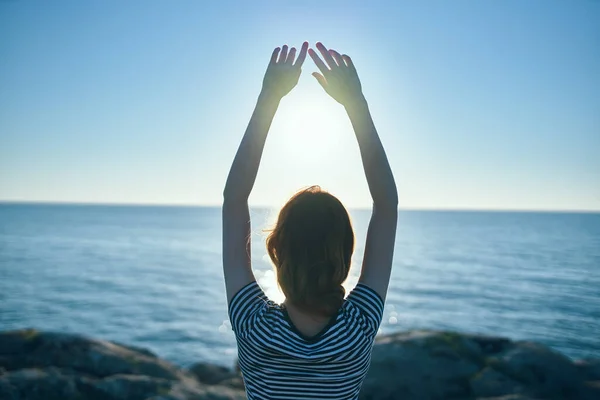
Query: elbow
[
  {"x": 233, "y": 196},
  {"x": 230, "y": 191},
  {"x": 387, "y": 204},
  {"x": 389, "y": 208},
  {"x": 229, "y": 198},
  {"x": 226, "y": 193}
]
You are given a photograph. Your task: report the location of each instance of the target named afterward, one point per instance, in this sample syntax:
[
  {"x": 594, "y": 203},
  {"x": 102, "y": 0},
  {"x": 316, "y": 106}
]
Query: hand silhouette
[
  {"x": 282, "y": 73},
  {"x": 339, "y": 77}
]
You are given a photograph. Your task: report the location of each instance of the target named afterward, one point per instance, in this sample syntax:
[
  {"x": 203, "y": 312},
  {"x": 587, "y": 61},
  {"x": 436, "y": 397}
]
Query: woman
[{"x": 316, "y": 344}]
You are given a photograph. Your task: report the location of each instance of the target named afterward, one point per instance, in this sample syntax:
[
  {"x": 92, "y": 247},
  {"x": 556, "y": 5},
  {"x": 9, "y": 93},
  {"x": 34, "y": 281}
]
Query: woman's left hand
[{"x": 283, "y": 73}]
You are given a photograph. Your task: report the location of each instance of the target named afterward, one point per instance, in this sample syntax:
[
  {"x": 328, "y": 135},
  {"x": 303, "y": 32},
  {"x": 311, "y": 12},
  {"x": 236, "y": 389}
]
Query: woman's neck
[
  {"x": 309, "y": 324},
  {"x": 297, "y": 311}
]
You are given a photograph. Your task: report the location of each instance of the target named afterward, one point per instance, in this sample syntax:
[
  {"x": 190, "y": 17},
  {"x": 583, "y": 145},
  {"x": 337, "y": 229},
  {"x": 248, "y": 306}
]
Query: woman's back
[{"x": 278, "y": 362}]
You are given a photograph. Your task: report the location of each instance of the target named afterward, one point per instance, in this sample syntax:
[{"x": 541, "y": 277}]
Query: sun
[
  {"x": 312, "y": 125},
  {"x": 311, "y": 142}
]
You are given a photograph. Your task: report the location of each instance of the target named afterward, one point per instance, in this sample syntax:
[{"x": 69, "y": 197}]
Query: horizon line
[{"x": 263, "y": 206}]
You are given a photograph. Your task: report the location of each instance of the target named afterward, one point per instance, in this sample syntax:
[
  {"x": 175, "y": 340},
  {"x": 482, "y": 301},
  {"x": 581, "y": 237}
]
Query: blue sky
[{"x": 480, "y": 104}]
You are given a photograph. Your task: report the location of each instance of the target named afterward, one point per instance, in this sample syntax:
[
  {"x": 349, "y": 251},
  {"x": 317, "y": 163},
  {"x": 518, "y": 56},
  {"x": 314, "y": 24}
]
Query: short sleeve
[
  {"x": 245, "y": 306},
  {"x": 369, "y": 304}
]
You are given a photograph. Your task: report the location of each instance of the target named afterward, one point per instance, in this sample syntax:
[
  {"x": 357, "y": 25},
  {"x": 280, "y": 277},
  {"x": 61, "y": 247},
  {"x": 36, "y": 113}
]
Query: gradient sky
[{"x": 480, "y": 104}]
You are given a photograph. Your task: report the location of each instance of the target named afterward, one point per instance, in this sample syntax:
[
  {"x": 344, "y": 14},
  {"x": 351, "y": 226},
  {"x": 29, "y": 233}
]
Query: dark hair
[{"x": 311, "y": 247}]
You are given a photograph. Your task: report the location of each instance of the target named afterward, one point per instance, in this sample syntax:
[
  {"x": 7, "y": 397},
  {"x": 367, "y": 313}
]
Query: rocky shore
[{"x": 415, "y": 365}]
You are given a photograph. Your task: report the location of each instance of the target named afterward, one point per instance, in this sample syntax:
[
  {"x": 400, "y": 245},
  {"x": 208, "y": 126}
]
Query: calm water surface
[{"x": 152, "y": 276}]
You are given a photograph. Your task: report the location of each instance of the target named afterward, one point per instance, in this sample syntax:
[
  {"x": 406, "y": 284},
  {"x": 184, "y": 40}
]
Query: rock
[
  {"x": 543, "y": 372},
  {"x": 236, "y": 382},
  {"x": 487, "y": 345},
  {"x": 444, "y": 365},
  {"x": 137, "y": 349},
  {"x": 210, "y": 374},
  {"x": 508, "y": 397},
  {"x": 590, "y": 390},
  {"x": 589, "y": 369},
  {"x": 42, "y": 384},
  {"x": 55, "y": 384},
  {"x": 47, "y": 366},
  {"x": 423, "y": 365},
  {"x": 124, "y": 387},
  {"x": 489, "y": 382},
  {"x": 99, "y": 358}
]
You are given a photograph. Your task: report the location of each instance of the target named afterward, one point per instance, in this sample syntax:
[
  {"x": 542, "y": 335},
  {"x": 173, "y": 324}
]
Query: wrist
[
  {"x": 357, "y": 103},
  {"x": 269, "y": 97}
]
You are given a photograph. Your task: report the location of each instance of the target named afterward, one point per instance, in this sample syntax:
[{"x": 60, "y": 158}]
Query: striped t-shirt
[{"x": 278, "y": 362}]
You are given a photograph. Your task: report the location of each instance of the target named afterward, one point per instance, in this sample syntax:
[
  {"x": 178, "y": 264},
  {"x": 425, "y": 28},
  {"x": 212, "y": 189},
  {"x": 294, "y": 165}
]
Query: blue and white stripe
[{"x": 277, "y": 362}]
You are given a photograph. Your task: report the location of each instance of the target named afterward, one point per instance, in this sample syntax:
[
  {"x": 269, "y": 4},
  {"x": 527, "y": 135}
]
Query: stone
[
  {"x": 132, "y": 387},
  {"x": 415, "y": 365},
  {"x": 544, "y": 372},
  {"x": 420, "y": 365},
  {"x": 590, "y": 390},
  {"x": 38, "y": 384},
  {"x": 589, "y": 369},
  {"x": 49, "y": 365},
  {"x": 236, "y": 382},
  {"x": 210, "y": 374},
  {"x": 490, "y": 383},
  {"x": 508, "y": 397},
  {"x": 99, "y": 358}
]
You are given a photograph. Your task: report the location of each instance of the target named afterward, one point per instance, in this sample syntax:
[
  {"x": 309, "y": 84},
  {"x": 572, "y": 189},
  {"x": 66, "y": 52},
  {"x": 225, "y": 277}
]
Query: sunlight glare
[
  {"x": 311, "y": 141},
  {"x": 268, "y": 282},
  {"x": 310, "y": 125}
]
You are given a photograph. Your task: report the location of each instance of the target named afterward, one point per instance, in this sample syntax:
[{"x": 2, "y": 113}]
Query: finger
[
  {"x": 274, "y": 56},
  {"x": 320, "y": 78},
  {"x": 337, "y": 57},
  {"x": 291, "y": 55},
  {"x": 330, "y": 61},
  {"x": 348, "y": 62},
  {"x": 283, "y": 54},
  {"x": 318, "y": 62},
  {"x": 302, "y": 55}
]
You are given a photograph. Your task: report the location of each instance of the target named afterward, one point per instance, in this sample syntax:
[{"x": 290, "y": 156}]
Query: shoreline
[{"x": 422, "y": 364}]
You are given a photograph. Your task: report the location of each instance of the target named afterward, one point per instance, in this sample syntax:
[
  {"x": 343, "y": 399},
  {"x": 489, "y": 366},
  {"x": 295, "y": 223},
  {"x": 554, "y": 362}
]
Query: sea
[{"x": 151, "y": 276}]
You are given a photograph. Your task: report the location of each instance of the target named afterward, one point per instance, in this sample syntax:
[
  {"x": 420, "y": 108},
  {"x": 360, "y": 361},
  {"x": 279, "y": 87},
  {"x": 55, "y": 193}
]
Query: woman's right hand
[
  {"x": 338, "y": 76},
  {"x": 283, "y": 73}
]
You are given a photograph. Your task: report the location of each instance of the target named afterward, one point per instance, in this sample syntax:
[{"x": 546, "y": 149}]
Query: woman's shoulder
[
  {"x": 251, "y": 298},
  {"x": 364, "y": 306}
]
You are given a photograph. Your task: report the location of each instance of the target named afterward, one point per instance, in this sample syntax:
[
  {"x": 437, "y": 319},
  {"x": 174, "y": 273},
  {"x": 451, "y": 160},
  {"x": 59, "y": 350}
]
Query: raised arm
[
  {"x": 281, "y": 77},
  {"x": 340, "y": 80}
]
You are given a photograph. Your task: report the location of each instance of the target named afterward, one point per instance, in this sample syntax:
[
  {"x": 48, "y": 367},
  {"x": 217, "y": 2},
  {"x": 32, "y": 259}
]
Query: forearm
[
  {"x": 244, "y": 169},
  {"x": 376, "y": 166}
]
